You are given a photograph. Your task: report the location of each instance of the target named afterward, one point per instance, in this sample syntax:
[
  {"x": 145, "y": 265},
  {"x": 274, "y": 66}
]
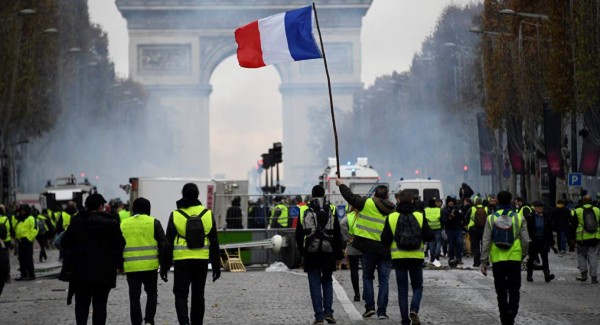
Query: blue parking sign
[{"x": 575, "y": 179}]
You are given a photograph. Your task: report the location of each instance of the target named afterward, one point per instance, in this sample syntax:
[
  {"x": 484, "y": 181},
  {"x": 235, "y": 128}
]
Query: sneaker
[
  {"x": 414, "y": 318},
  {"x": 383, "y": 316},
  {"x": 319, "y": 322},
  {"x": 357, "y": 297},
  {"x": 330, "y": 320},
  {"x": 369, "y": 313}
]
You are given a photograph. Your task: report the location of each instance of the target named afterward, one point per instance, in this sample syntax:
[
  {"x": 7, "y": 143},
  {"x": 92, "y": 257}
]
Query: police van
[
  {"x": 422, "y": 189},
  {"x": 360, "y": 177}
]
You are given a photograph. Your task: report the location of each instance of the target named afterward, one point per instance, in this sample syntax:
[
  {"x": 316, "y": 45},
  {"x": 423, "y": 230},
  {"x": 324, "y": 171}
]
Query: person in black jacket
[
  {"x": 93, "y": 246},
  {"x": 542, "y": 239},
  {"x": 560, "y": 217},
  {"x": 408, "y": 263},
  {"x": 452, "y": 220},
  {"x": 190, "y": 264},
  {"x": 319, "y": 240},
  {"x": 233, "y": 217}
]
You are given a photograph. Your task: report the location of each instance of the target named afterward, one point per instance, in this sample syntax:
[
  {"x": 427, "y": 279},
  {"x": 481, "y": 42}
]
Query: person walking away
[
  {"x": 279, "y": 214},
  {"x": 145, "y": 240},
  {"x": 560, "y": 216},
  {"x": 93, "y": 251},
  {"x": 405, "y": 231},
  {"x": 542, "y": 239},
  {"x": 45, "y": 232},
  {"x": 348, "y": 229},
  {"x": 433, "y": 214},
  {"x": 65, "y": 217},
  {"x": 123, "y": 211},
  {"x": 588, "y": 218},
  {"x": 26, "y": 231},
  {"x": 452, "y": 219},
  {"x": 478, "y": 215},
  {"x": 5, "y": 244},
  {"x": 233, "y": 217},
  {"x": 505, "y": 244},
  {"x": 367, "y": 238},
  {"x": 319, "y": 240},
  {"x": 190, "y": 244}
]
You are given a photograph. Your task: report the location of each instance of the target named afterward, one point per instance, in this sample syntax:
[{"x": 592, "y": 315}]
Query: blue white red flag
[{"x": 284, "y": 37}]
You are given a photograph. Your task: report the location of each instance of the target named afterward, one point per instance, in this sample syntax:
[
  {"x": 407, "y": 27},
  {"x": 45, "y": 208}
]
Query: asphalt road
[{"x": 456, "y": 296}]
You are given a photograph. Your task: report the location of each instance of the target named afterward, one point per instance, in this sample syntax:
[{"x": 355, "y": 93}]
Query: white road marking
[{"x": 342, "y": 297}]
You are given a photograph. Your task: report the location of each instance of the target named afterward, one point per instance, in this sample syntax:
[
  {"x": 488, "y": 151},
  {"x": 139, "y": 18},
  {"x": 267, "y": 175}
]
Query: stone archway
[{"x": 175, "y": 45}]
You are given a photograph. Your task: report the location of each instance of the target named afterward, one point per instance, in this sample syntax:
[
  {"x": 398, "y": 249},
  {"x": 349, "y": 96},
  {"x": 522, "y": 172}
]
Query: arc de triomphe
[{"x": 175, "y": 45}]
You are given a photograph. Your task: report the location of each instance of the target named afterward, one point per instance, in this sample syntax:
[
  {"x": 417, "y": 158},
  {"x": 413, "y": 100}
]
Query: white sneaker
[{"x": 437, "y": 263}]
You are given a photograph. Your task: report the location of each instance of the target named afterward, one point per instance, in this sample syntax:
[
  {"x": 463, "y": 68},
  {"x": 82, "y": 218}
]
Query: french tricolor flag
[{"x": 284, "y": 37}]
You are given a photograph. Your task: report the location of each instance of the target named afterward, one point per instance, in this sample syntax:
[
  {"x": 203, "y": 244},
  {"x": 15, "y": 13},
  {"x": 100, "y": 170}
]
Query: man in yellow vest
[
  {"x": 587, "y": 237},
  {"x": 433, "y": 214},
  {"x": 405, "y": 231},
  {"x": 65, "y": 217},
  {"x": 145, "y": 240},
  {"x": 477, "y": 219},
  {"x": 5, "y": 244},
  {"x": 191, "y": 263},
  {"x": 505, "y": 245},
  {"x": 367, "y": 238},
  {"x": 279, "y": 214},
  {"x": 123, "y": 212},
  {"x": 26, "y": 231}
]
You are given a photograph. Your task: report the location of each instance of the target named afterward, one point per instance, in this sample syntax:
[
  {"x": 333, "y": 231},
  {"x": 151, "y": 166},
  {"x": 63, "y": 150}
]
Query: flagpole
[{"x": 337, "y": 154}]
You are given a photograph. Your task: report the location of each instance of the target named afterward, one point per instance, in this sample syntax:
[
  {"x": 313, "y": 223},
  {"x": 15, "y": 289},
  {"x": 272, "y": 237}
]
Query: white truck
[
  {"x": 423, "y": 189},
  {"x": 163, "y": 192},
  {"x": 360, "y": 178}
]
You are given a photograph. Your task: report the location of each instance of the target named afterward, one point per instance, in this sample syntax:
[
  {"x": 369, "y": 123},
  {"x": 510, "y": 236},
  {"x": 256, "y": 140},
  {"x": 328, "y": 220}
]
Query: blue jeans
[
  {"x": 415, "y": 271},
  {"x": 383, "y": 264},
  {"x": 322, "y": 301},
  {"x": 455, "y": 244},
  {"x": 561, "y": 238},
  {"x": 435, "y": 246}
]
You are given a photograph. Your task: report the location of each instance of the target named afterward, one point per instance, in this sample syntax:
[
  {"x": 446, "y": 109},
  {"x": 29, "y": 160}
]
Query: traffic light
[
  {"x": 267, "y": 160},
  {"x": 277, "y": 153}
]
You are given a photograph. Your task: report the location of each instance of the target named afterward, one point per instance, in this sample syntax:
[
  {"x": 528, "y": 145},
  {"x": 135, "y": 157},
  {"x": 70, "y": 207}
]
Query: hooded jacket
[
  {"x": 384, "y": 206},
  {"x": 93, "y": 250}
]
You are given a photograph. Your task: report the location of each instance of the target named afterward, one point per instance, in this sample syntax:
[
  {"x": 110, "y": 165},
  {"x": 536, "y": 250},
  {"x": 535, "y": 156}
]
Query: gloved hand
[
  {"x": 216, "y": 274},
  {"x": 164, "y": 275}
]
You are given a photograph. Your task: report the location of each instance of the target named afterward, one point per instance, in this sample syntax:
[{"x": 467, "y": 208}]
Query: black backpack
[
  {"x": 194, "y": 229},
  {"x": 3, "y": 229},
  {"x": 590, "y": 223},
  {"x": 408, "y": 233},
  {"x": 316, "y": 222}
]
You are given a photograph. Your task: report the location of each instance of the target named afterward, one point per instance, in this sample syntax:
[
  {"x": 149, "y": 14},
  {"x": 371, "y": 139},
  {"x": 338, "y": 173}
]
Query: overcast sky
[{"x": 393, "y": 31}]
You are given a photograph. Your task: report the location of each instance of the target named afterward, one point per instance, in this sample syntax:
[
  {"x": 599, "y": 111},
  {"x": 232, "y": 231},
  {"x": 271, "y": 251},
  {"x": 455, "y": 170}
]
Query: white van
[{"x": 423, "y": 189}]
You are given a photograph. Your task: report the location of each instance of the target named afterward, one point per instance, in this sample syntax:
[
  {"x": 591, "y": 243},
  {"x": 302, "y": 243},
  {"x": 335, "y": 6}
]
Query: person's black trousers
[
  {"x": 4, "y": 267},
  {"x": 354, "y": 260},
  {"x": 507, "y": 281},
  {"x": 190, "y": 272},
  {"x": 149, "y": 280},
  {"x": 26, "y": 258},
  {"x": 537, "y": 247},
  {"x": 476, "y": 236},
  {"x": 43, "y": 242},
  {"x": 96, "y": 295}
]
